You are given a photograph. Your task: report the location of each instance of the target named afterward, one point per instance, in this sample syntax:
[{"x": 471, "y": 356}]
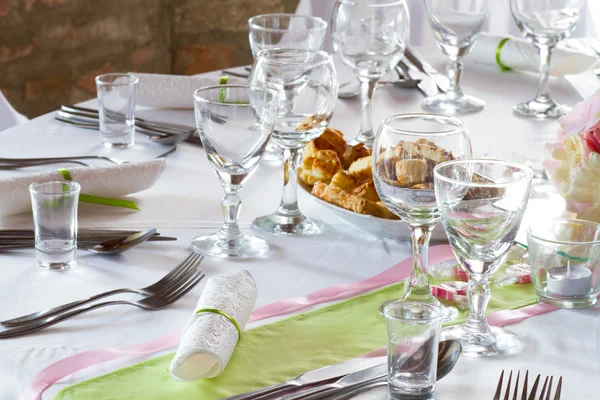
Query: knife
[
  {"x": 426, "y": 83},
  {"x": 313, "y": 377},
  {"x": 415, "y": 58}
]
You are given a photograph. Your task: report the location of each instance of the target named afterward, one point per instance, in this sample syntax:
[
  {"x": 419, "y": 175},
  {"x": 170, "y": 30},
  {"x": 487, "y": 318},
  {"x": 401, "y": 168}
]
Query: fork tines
[{"x": 544, "y": 395}]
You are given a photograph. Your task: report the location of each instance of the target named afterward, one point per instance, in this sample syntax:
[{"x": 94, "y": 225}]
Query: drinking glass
[
  {"x": 545, "y": 23},
  {"x": 54, "y": 205},
  {"x": 370, "y": 37},
  {"x": 307, "y": 85},
  {"x": 116, "y": 107},
  {"x": 413, "y": 331},
  {"x": 482, "y": 203},
  {"x": 456, "y": 25},
  {"x": 406, "y": 149},
  {"x": 288, "y": 31},
  {"x": 235, "y": 123}
]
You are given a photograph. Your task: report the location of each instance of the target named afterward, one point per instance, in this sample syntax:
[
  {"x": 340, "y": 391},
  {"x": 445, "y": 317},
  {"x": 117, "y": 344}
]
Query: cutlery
[
  {"x": 320, "y": 375},
  {"x": 547, "y": 386},
  {"x": 415, "y": 58},
  {"x": 81, "y": 233},
  {"x": 236, "y": 74},
  {"x": 426, "y": 84},
  {"x": 164, "y": 292},
  {"x": 12, "y": 166}
]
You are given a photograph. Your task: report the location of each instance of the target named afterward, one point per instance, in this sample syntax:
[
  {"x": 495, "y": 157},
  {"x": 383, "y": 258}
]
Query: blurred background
[{"x": 51, "y": 50}]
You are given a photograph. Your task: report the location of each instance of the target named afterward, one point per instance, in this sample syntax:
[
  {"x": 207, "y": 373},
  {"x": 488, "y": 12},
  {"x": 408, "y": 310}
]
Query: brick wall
[{"x": 51, "y": 50}]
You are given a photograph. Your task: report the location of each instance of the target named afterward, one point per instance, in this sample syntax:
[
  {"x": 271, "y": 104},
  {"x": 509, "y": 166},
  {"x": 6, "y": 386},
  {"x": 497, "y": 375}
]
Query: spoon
[{"x": 119, "y": 245}]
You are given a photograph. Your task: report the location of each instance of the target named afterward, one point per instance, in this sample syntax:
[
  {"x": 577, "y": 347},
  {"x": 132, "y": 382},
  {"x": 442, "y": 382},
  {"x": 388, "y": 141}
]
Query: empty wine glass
[
  {"x": 307, "y": 84},
  {"x": 370, "y": 37},
  {"x": 456, "y": 24},
  {"x": 287, "y": 31},
  {"x": 235, "y": 123},
  {"x": 406, "y": 149},
  {"x": 482, "y": 203},
  {"x": 545, "y": 23}
]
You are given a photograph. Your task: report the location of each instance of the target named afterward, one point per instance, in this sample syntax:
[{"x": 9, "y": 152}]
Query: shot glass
[
  {"x": 116, "y": 101},
  {"x": 54, "y": 205},
  {"x": 413, "y": 336}
]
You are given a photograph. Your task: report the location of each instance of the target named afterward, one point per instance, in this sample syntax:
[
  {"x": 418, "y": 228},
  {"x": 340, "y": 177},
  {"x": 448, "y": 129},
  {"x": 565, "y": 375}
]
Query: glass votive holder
[
  {"x": 413, "y": 331},
  {"x": 564, "y": 255},
  {"x": 54, "y": 205},
  {"x": 116, "y": 107}
]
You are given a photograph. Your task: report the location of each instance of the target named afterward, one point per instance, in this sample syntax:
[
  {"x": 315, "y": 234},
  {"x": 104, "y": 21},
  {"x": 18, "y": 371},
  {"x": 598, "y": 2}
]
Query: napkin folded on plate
[
  {"x": 210, "y": 338},
  {"x": 520, "y": 54},
  {"x": 172, "y": 91},
  {"x": 114, "y": 181}
]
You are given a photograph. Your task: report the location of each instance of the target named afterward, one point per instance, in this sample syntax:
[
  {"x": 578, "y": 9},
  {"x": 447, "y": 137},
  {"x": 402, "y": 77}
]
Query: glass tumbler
[
  {"x": 54, "y": 205},
  {"x": 564, "y": 255},
  {"x": 116, "y": 107},
  {"x": 413, "y": 331}
]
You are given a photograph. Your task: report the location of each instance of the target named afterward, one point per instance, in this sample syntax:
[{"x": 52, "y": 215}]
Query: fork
[
  {"x": 533, "y": 392},
  {"x": 189, "y": 264}
]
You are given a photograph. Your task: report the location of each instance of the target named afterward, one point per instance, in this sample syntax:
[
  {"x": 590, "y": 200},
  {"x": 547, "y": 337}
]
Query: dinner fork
[
  {"x": 533, "y": 392},
  {"x": 173, "y": 277}
]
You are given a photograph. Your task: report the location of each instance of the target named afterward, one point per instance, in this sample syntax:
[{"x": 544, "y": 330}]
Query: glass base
[
  {"x": 245, "y": 246},
  {"x": 569, "y": 302},
  {"x": 111, "y": 145},
  {"x": 446, "y": 105},
  {"x": 367, "y": 140},
  {"x": 56, "y": 265},
  {"x": 498, "y": 342},
  {"x": 280, "y": 225},
  {"x": 536, "y": 109},
  {"x": 448, "y": 313},
  {"x": 273, "y": 155},
  {"x": 57, "y": 259}
]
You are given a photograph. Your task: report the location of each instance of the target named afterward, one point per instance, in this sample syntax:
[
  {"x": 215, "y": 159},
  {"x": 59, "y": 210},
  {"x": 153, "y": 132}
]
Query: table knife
[
  {"x": 426, "y": 83},
  {"x": 415, "y": 58},
  {"x": 325, "y": 374}
]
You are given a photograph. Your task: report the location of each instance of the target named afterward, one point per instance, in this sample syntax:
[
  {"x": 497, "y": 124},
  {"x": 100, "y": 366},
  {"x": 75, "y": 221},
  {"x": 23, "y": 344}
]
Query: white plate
[{"x": 389, "y": 228}]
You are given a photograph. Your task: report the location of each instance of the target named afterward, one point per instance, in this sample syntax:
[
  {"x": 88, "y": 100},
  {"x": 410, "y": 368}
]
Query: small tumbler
[
  {"x": 116, "y": 101},
  {"x": 54, "y": 205},
  {"x": 413, "y": 337}
]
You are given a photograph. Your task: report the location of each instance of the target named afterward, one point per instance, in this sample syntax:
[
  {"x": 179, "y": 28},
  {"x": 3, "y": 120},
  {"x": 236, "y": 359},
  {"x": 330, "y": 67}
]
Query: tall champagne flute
[
  {"x": 545, "y": 23},
  {"x": 406, "y": 149},
  {"x": 307, "y": 84},
  {"x": 456, "y": 25},
  {"x": 370, "y": 37},
  {"x": 482, "y": 204},
  {"x": 235, "y": 124}
]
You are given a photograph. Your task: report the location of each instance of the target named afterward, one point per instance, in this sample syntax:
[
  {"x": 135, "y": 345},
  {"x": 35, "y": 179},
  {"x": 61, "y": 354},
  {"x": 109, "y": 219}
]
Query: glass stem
[
  {"x": 231, "y": 203},
  {"x": 543, "y": 95},
  {"x": 454, "y": 70},
  {"x": 417, "y": 287},
  {"x": 289, "y": 202},
  {"x": 478, "y": 295},
  {"x": 367, "y": 87}
]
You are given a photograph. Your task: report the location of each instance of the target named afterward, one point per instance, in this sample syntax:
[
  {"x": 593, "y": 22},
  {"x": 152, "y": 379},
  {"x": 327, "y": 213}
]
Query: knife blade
[
  {"x": 320, "y": 375},
  {"x": 426, "y": 84},
  {"x": 415, "y": 57}
]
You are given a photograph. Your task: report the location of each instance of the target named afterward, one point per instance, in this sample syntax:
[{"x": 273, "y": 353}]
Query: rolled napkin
[
  {"x": 214, "y": 329},
  {"x": 112, "y": 181},
  {"x": 172, "y": 91},
  {"x": 520, "y": 54}
]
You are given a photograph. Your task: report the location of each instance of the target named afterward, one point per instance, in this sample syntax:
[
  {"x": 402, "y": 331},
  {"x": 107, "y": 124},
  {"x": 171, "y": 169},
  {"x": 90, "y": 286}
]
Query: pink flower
[
  {"x": 582, "y": 118},
  {"x": 592, "y": 137}
]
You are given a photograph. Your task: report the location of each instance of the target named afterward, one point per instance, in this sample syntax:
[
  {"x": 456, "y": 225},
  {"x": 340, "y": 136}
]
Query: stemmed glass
[
  {"x": 456, "y": 24},
  {"x": 406, "y": 149},
  {"x": 286, "y": 31},
  {"x": 307, "y": 84},
  {"x": 370, "y": 37},
  {"x": 482, "y": 203},
  {"x": 545, "y": 23},
  {"x": 235, "y": 124}
]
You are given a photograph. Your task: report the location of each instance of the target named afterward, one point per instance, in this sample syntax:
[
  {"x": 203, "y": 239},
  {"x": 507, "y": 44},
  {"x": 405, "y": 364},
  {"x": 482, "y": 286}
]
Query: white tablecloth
[{"x": 186, "y": 202}]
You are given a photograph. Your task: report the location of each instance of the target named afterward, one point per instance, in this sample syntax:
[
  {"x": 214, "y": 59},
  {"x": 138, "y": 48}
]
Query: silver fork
[
  {"x": 533, "y": 392},
  {"x": 173, "y": 277}
]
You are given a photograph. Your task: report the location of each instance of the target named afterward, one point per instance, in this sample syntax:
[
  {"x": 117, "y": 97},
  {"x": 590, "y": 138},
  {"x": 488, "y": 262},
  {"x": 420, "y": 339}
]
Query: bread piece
[
  {"x": 321, "y": 167},
  {"x": 411, "y": 172},
  {"x": 344, "y": 181},
  {"x": 312, "y": 121},
  {"x": 353, "y": 153},
  {"x": 330, "y": 139},
  {"x": 367, "y": 191},
  {"x": 361, "y": 169},
  {"x": 340, "y": 198}
]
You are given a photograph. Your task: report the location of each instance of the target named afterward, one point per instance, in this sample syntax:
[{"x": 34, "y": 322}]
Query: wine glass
[
  {"x": 287, "y": 31},
  {"x": 545, "y": 23},
  {"x": 406, "y": 149},
  {"x": 235, "y": 124},
  {"x": 482, "y": 203},
  {"x": 370, "y": 37},
  {"x": 307, "y": 84},
  {"x": 456, "y": 25}
]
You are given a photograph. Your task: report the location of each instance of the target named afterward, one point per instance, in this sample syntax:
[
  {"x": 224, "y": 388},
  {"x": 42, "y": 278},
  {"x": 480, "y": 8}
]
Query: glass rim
[
  {"x": 200, "y": 99},
  {"x": 132, "y": 79},
  {"x": 321, "y": 21},
  {"x": 459, "y": 124},
  {"x": 563, "y": 242},
  {"x": 364, "y": 3},
  {"x": 431, "y": 307},
  {"x": 262, "y": 57},
  {"x": 73, "y": 187},
  {"x": 528, "y": 176}
]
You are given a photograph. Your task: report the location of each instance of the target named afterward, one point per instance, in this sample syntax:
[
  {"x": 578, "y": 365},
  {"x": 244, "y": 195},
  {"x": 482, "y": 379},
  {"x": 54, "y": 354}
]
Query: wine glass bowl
[{"x": 482, "y": 203}]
